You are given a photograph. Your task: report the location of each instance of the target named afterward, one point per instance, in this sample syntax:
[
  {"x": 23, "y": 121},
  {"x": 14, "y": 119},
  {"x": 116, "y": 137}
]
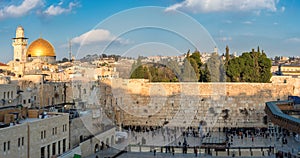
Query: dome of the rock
[{"x": 39, "y": 48}]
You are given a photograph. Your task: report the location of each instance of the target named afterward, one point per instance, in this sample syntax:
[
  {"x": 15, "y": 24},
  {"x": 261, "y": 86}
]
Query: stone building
[
  {"x": 35, "y": 137},
  {"x": 39, "y": 93},
  {"x": 9, "y": 94},
  {"x": 90, "y": 131},
  {"x": 32, "y": 59},
  {"x": 41, "y": 49}
]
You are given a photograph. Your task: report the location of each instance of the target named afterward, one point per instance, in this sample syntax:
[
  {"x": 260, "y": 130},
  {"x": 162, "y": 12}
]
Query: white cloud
[
  {"x": 225, "y": 39},
  {"x": 98, "y": 35},
  {"x": 19, "y": 10},
  {"x": 247, "y": 22},
  {"x": 53, "y": 10},
  {"x": 197, "y": 6},
  {"x": 227, "y": 21},
  {"x": 293, "y": 40}
]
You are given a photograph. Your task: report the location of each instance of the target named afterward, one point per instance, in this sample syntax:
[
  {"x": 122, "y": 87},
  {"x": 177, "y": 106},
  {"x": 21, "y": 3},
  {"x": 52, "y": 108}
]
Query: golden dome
[{"x": 40, "y": 48}]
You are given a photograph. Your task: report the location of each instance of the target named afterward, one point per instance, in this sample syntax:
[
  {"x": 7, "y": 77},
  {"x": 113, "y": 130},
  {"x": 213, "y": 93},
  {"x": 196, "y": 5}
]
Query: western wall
[{"x": 215, "y": 105}]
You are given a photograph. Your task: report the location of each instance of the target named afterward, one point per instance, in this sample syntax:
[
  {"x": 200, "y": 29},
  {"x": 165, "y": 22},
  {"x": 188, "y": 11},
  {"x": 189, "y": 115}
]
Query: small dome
[{"x": 40, "y": 48}]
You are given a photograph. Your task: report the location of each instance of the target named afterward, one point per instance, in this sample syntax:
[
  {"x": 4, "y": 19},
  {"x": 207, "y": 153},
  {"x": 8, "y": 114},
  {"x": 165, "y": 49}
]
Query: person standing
[
  {"x": 173, "y": 151},
  {"x": 195, "y": 151}
]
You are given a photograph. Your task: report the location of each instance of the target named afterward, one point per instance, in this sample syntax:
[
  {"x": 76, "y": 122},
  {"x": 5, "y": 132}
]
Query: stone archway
[{"x": 96, "y": 149}]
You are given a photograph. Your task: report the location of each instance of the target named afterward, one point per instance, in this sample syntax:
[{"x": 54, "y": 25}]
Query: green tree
[
  {"x": 204, "y": 74},
  {"x": 195, "y": 62},
  {"x": 188, "y": 72},
  {"x": 249, "y": 67},
  {"x": 216, "y": 68},
  {"x": 138, "y": 73},
  {"x": 227, "y": 55}
]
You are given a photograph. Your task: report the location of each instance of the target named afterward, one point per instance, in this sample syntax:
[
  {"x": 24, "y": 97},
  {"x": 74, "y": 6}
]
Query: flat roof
[
  {"x": 276, "y": 111},
  {"x": 29, "y": 120}
]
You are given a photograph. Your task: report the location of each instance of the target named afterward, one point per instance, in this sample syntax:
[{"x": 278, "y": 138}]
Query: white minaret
[
  {"x": 19, "y": 43},
  {"x": 215, "y": 50}
]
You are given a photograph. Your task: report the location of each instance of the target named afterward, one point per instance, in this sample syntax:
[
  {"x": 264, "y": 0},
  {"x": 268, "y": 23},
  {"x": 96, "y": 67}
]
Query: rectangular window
[
  {"x": 4, "y": 94},
  {"x": 64, "y": 145},
  {"x": 55, "y": 130},
  {"x": 42, "y": 152},
  {"x": 12, "y": 95},
  {"x": 4, "y": 146},
  {"x": 58, "y": 147},
  {"x": 8, "y": 145},
  {"x": 52, "y": 131},
  {"x": 28, "y": 100},
  {"x": 42, "y": 135},
  {"x": 19, "y": 142},
  {"x": 24, "y": 101},
  {"x": 53, "y": 148},
  {"x": 48, "y": 151},
  {"x": 22, "y": 141}
]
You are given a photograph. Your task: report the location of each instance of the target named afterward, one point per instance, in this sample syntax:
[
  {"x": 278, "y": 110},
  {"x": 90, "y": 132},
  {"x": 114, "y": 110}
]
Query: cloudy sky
[{"x": 168, "y": 27}]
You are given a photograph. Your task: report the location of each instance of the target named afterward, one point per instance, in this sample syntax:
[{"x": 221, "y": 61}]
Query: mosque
[
  {"x": 38, "y": 49},
  {"x": 38, "y": 56}
]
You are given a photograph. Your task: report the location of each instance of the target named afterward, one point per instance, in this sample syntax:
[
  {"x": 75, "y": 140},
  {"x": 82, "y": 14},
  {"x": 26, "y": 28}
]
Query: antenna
[{"x": 70, "y": 50}]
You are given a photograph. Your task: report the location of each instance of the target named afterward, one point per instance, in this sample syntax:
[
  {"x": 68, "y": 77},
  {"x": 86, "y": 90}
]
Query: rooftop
[{"x": 30, "y": 120}]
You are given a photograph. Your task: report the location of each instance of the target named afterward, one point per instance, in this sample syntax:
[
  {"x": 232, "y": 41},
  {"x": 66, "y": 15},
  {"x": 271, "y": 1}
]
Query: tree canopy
[{"x": 249, "y": 67}]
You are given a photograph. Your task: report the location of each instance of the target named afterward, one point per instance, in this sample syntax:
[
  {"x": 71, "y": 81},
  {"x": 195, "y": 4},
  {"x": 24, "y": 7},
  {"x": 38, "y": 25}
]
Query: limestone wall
[
  {"x": 93, "y": 145},
  {"x": 55, "y": 138},
  {"x": 11, "y": 136},
  {"x": 138, "y": 102},
  {"x": 32, "y": 136},
  {"x": 86, "y": 127}
]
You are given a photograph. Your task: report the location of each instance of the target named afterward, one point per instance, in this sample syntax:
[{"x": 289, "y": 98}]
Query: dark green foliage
[
  {"x": 249, "y": 67},
  {"x": 195, "y": 62},
  {"x": 188, "y": 72},
  {"x": 153, "y": 72},
  {"x": 139, "y": 72},
  {"x": 216, "y": 68},
  {"x": 204, "y": 74},
  {"x": 227, "y": 55}
]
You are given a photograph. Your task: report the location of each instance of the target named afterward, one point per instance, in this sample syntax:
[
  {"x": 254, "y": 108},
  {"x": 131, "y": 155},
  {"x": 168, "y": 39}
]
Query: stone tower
[{"x": 19, "y": 43}]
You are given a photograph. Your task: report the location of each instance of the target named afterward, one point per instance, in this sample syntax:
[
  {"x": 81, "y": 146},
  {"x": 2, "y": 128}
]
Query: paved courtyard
[{"x": 174, "y": 137}]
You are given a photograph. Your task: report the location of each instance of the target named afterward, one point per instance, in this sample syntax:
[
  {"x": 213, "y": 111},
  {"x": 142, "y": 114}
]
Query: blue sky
[{"x": 169, "y": 27}]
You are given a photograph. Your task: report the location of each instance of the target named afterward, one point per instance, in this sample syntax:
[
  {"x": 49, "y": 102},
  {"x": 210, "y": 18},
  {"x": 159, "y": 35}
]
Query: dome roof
[{"x": 40, "y": 48}]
